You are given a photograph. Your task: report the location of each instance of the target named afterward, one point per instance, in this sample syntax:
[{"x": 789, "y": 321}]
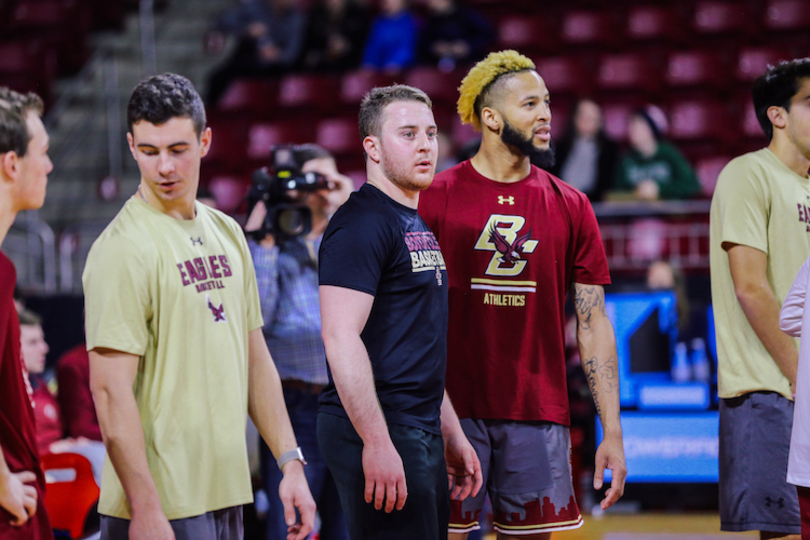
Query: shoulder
[
  {"x": 128, "y": 235},
  {"x": 750, "y": 168}
]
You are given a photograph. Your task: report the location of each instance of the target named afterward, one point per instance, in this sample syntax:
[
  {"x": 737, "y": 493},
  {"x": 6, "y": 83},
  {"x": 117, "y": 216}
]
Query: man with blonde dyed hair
[
  {"x": 24, "y": 168},
  {"x": 516, "y": 239}
]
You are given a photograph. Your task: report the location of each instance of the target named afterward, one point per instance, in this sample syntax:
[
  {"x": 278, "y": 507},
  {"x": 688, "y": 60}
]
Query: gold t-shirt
[
  {"x": 181, "y": 295},
  {"x": 758, "y": 202}
]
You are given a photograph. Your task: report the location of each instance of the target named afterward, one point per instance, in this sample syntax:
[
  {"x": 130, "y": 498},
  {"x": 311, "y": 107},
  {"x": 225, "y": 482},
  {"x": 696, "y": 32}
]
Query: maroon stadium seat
[
  {"x": 442, "y": 87},
  {"x": 595, "y": 28},
  {"x": 527, "y": 34},
  {"x": 712, "y": 17},
  {"x": 787, "y": 15},
  {"x": 654, "y": 22},
  {"x": 616, "y": 118},
  {"x": 752, "y": 61},
  {"x": 696, "y": 69},
  {"x": 339, "y": 135},
  {"x": 627, "y": 71},
  {"x": 696, "y": 120},
  {"x": 262, "y": 137},
  {"x": 315, "y": 92},
  {"x": 707, "y": 170},
  {"x": 564, "y": 75},
  {"x": 355, "y": 84},
  {"x": 255, "y": 97}
]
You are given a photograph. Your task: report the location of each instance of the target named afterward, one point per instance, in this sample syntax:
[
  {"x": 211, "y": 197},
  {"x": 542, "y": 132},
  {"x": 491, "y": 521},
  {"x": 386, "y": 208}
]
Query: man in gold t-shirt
[
  {"x": 177, "y": 356},
  {"x": 760, "y": 237}
]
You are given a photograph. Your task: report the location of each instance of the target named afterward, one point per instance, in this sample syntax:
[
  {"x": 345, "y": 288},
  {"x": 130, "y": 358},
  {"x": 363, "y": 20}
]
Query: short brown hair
[
  {"x": 370, "y": 117},
  {"x": 29, "y": 318},
  {"x": 14, "y": 107}
]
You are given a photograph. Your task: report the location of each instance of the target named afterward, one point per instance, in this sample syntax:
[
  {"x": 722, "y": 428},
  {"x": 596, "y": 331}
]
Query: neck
[
  {"x": 789, "y": 154},
  {"x": 500, "y": 162},
  {"x": 402, "y": 196},
  {"x": 319, "y": 224},
  {"x": 7, "y": 215},
  {"x": 180, "y": 209}
]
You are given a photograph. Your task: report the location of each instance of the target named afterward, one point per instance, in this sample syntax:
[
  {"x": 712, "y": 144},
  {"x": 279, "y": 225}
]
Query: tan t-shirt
[
  {"x": 758, "y": 202},
  {"x": 181, "y": 295}
]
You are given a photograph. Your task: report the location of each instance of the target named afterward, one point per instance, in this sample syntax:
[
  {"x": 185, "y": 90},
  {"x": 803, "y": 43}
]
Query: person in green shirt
[{"x": 653, "y": 168}]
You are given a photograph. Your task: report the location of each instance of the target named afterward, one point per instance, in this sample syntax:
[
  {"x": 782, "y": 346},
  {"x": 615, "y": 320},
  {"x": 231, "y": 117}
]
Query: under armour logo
[
  {"x": 780, "y": 502},
  {"x": 197, "y": 241},
  {"x": 506, "y": 200}
]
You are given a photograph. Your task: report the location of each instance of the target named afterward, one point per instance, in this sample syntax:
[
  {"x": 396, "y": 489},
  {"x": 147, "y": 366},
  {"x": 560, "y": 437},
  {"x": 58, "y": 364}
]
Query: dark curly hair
[
  {"x": 14, "y": 107},
  {"x": 160, "y": 98},
  {"x": 776, "y": 87}
]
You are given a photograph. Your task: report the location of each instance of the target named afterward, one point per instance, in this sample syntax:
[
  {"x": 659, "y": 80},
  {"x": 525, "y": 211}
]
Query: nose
[
  {"x": 49, "y": 166},
  {"x": 423, "y": 142},
  {"x": 165, "y": 164},
  {"x": 544, "y": 112}
]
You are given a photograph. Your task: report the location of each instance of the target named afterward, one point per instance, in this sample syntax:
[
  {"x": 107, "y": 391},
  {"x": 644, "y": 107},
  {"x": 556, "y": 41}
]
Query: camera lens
[{"x": 292, "y": 222}]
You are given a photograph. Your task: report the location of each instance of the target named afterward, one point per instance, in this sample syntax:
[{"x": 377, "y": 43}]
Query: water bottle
[
  {"x": 701, "y": 370},
  {"x": 681, "y": 370}
]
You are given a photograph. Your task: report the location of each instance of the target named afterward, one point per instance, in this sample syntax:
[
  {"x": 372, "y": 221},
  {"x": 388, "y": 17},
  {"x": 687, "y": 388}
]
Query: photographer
[{"x": 287, "y": 274}]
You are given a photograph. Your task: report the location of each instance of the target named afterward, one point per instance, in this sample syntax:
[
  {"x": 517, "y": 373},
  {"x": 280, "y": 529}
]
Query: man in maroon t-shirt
[
  {"x": 516, "y": 240},
  {"x": 24, "y": 168}
]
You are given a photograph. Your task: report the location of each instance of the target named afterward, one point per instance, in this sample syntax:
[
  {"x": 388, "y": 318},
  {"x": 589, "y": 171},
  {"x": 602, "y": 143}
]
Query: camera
[{"x": 287, "y": 217}]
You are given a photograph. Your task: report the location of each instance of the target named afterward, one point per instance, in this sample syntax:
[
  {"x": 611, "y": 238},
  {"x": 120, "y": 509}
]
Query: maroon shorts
[
  {"x": 804, "y": 510},
  {"x": 527, "y": 474}
]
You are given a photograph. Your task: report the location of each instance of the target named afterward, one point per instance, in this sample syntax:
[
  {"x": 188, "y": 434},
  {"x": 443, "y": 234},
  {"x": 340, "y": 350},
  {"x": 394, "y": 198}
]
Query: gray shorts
[
  {"x": 754, "y": 443},
  {"x": 225, "y": 524},
  {"x": 527, "y": 474}
]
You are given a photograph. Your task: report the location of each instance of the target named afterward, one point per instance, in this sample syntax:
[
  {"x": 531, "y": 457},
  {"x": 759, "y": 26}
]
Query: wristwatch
[{"x": 286, "y": 457}]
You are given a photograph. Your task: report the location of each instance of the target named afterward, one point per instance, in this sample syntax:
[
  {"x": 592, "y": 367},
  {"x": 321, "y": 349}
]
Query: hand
[
  {"x": 150, "y": 524},
  {"x": 464, "y": 475},
  {"x": 610, "y": 455},
  {"x": 294, "y": 494},
  {"x": 647, "y": 190},
  {"x": 269, "y": 54},
  {"x": 256, "y": 30},
  {"x": 385, "y": 476},
  {"x": 18, "y": 497},
  {"x": 255, "y": 222}
]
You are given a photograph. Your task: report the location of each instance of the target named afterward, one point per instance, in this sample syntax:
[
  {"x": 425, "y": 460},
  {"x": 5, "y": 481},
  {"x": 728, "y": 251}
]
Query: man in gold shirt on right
[{"x": 760, "y": 237}]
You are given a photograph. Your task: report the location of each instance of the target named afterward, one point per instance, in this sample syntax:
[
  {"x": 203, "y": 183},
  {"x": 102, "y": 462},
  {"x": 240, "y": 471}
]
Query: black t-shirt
[{"x": 378, "y": 246}]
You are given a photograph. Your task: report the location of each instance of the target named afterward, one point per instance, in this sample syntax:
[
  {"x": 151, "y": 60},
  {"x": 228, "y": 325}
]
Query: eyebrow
[
  {"x": 431, "y": 126},
  {"x": 147, "y": 145}
]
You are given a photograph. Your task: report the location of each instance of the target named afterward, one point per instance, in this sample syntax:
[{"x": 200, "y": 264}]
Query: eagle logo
[
  {"x": 219, "y": 312},
  {"x": 510, "y": 253}
]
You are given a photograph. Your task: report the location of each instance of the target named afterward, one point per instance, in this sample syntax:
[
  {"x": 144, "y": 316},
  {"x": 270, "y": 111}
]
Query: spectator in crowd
[
  {"x": 453, "y": 35},
  {"x": 75, "y": 399},
  {"x": 653, "y": 168},
  {"x": 50, "y": 428},
  {"x": 337, "y": 31},
  {"x": 759, "y": 241},
  {"x": 24, "y": 168},
  {"x": 391, "y": 44},
  {"x": 287, "y": 277},
  {"x": 586, "y": 156},
  {"x": 270, "y": 37}
]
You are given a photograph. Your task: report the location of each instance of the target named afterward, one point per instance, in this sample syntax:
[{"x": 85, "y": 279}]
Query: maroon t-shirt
[
  {"x": 75, "y": 399},
  {"x": 17, "y": 435},
  {"x": 512, "y": 253}
]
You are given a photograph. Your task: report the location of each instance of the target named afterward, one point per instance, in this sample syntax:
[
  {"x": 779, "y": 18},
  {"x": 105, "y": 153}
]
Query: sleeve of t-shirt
[
  {"x": 744, "y": 200},
  {"x": 252, "y": 302},
  {"x": 792, "y": 312},
  {"x": 354, "y": 253},
  {"x": 590, "y": 261},
  {"x": 432, "y": 205},
  {"x": 117, "y": 296}
]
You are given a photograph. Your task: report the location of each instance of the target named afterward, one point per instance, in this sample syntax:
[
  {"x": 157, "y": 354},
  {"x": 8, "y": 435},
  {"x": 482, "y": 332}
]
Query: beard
[{"x": 539, "y": 157}]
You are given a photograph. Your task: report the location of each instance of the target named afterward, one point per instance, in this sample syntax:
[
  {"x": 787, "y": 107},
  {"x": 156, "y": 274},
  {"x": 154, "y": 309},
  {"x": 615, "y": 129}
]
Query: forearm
[
  {"x": 597, "y": 349},
  {"x": 450, "y": 423},
  {"x": 5, "y": 473},
  {"x": 267, "y": 408},
  {"x": 122, "y": 432},
  {"x": 354, "y": 380},
  {"x": 761, "y": 308}
]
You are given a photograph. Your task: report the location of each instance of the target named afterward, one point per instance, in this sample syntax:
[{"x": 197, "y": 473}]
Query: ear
[
  {"x": 205, "y": 141},
  {"x": 9, "y": 165},
  {"x": 491, "y": 119},
  {"x": 777, "y": 116},
  {"x": 371, "y": 145},
  {"x": 131, "y": 143}
]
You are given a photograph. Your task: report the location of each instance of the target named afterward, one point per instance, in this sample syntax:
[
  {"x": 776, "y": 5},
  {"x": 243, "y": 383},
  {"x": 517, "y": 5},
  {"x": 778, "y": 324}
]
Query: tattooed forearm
[
  {"x": 603, "y": 378},
  {"x": 588, "y": 299}
]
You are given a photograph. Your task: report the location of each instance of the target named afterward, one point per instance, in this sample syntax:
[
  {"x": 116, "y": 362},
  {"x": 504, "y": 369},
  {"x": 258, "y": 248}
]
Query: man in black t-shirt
[{"x": 383, "y": 294}]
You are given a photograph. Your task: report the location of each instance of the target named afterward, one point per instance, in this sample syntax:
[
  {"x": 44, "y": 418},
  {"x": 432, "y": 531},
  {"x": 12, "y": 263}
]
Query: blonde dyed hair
[{"x": 480, "y": 79}]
